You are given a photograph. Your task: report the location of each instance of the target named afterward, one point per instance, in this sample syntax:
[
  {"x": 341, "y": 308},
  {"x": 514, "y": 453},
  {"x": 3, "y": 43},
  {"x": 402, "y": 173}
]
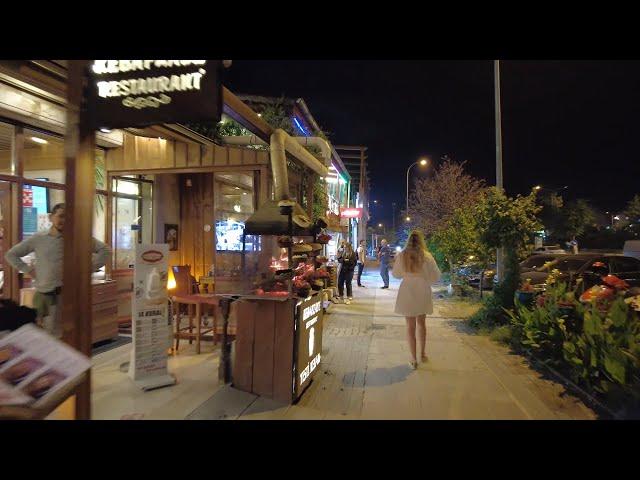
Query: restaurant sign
[
  {"x": 308, "y": 342},
  {"x": 139, "y": 93},
  {"x": 351, "y": 213}
]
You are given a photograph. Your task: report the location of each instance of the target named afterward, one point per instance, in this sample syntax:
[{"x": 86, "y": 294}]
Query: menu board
[
  {"x": 308, "y": 341},
  {"x": 34, "y": 365},
  {"x": 148, "y": 366}
]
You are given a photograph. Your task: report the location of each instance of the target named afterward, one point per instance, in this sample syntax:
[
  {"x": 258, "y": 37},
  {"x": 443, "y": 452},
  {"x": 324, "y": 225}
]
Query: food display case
[{"x": 279, "y": 317}]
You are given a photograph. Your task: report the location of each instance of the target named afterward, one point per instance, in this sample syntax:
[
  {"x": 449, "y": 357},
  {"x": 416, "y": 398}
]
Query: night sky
[{"x": 574, "y": 123}]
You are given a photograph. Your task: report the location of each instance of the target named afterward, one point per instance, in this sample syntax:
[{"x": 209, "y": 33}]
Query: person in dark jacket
[{"x": 348, "y": 261}]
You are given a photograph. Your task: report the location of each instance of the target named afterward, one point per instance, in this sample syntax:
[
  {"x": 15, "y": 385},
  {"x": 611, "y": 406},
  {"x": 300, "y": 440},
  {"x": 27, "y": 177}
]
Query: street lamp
[{"x": 422, "y": 162}]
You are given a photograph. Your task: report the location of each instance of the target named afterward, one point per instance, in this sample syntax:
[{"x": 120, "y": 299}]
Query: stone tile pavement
[{"x": 365, "y": 374}]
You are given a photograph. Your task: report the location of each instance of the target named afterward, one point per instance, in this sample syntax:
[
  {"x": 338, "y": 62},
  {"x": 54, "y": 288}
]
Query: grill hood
[{"x": 268, "y": 220}]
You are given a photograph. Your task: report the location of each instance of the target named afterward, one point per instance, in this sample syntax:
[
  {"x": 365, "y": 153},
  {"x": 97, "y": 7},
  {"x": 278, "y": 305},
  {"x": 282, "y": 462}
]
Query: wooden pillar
[{"x": 80, "y": 180}]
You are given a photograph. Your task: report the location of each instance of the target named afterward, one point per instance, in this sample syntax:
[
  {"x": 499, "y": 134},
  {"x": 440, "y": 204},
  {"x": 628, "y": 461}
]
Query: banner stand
[{"x": 150, "y": 310}]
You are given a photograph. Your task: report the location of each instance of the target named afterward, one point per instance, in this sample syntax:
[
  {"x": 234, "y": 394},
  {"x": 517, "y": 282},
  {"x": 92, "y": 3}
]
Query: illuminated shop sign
[
  {"x": 351, "y": 213},
  {"x": 309, "y": 341},
  {"x": 138, "y": 93}
]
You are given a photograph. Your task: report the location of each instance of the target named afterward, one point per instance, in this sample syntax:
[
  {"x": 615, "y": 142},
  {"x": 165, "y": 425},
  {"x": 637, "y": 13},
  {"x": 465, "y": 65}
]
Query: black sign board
[
  {"x": 308, "y": 342},
  {"x": 139, "y": 93}
]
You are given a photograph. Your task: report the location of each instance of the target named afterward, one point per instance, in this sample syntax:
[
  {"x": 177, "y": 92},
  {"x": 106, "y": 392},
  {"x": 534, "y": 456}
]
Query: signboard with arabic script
[
  {"x": 308, "y": 341},
  {"x": 139, "y": 93}
]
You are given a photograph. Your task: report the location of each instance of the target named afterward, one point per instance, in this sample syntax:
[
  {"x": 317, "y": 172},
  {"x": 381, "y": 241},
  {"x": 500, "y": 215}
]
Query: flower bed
[{"x": 595, "y": 342}]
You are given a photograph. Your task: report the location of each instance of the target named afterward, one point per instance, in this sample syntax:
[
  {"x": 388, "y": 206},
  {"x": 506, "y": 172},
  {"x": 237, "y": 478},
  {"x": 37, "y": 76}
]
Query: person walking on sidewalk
[
  {"x": 348, "y": 262},
  {"x": 49, "y": 248},
  {"x": 384, "y": 255},
  {"x": 418, "y": 271},
  {"x": 362, "y": 256}
]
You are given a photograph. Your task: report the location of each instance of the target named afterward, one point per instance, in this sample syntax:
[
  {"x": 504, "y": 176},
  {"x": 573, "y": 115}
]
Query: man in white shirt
[
  {"x": 48, "y": 247},
  {"x": 362, "y": 255}
]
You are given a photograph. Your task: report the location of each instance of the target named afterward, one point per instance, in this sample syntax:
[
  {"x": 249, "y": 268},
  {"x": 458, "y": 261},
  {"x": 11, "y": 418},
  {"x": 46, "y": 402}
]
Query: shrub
[
  {"x": 598, "y": 348},
  {"x": 490, "y": 315},
  {"x": 502, "y": 334}
]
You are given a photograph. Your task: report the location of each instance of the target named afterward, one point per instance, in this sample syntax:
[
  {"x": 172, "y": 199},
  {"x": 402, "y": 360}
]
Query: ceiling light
[
  {"x": 39, "y": 140},
  {"x": 237, "y": 188},
  {"x": 244, "y": 193},
  {"x": 105, "y": 130}
]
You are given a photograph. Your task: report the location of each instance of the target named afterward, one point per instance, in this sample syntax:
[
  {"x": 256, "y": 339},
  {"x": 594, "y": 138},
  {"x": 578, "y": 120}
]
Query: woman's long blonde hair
[{"x": 415, "y": 252}]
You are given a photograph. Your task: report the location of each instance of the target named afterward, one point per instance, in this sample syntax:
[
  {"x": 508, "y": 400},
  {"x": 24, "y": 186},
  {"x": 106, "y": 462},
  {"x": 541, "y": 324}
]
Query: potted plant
[{"x": 526, "y": 293}]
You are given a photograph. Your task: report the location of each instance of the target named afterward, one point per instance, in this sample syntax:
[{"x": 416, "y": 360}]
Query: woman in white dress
[{"x": 418, "y": 271}]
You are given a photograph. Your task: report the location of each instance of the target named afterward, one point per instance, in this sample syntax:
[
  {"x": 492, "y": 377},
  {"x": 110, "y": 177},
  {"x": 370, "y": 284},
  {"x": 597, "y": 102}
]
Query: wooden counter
[
  {"x": 104, "y": 306},
  {"x": 105, "y": 310},
  {"x": 278, "y": 349}
]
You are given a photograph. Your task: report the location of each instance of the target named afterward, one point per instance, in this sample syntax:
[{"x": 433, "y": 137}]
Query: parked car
[
  {"x": 587, "y": 267},
  {"x": 537, "y": 261},
  {"x": 472, "y": 272},
  {"x": 631, "y": 248},
  {"x": 555, "y": 249}
]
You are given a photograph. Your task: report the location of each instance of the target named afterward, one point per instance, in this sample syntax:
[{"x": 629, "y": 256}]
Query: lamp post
[{"x": 422, "y": 163}]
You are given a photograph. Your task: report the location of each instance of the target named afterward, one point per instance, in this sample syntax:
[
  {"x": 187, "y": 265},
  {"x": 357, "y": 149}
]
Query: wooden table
[
  {"x": 209, "y": 284},
  {"x": 198, "y": 301}
]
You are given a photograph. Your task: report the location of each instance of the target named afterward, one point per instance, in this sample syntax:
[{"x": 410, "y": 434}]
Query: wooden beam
[
  {"x": 243, "y": 114},
  {"x": 80, "y": 180}
]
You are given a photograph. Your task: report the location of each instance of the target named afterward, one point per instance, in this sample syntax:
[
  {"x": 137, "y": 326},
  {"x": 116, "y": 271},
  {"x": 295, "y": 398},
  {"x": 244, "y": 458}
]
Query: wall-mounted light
[
  {"x": 236, "y": 208},
  {"x": 39, "y": 140}
]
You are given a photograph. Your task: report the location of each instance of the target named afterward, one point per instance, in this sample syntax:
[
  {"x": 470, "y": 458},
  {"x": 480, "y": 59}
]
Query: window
[
  {"x": 565, "y": 265},
  {"x": 234, "y": 200},
  {"x": 6, "y": 149},
  {"x": 595, "y": 265},
  {"x": 43, "y": 157},
  {"x": 37, "y": 203},
  {"x": 536, "y": 261},
  {"x": 626, "y": 265},
  {"x": 132, "y": 222}
]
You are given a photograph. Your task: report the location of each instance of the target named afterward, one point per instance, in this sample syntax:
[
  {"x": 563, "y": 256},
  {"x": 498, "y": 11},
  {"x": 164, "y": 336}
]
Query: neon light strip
[{"x": 299, "y": 126}]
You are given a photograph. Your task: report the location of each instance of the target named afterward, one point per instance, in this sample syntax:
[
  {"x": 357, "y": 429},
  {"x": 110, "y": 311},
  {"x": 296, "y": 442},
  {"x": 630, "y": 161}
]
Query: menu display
[
  {"x": 150, "y": 314},
  {"x": 34, "y": 365},
  {"x": 308, "y": 341}
]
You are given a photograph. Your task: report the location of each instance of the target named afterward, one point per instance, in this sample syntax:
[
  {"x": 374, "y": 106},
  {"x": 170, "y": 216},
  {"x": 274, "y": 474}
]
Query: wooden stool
[{"x": 196, "y": 302}]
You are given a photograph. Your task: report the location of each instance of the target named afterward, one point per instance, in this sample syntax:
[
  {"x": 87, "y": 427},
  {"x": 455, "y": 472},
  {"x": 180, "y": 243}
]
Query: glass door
[{"x": 132, "y": 218}]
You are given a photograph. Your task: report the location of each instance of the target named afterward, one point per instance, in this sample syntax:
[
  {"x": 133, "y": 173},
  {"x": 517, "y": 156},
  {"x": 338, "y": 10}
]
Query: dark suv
[{"x": 586, "y": 266}]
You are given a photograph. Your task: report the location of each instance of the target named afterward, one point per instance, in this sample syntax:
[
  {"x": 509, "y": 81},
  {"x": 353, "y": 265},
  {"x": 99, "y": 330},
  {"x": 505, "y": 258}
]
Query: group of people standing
[{"x": 349, "y": 259}]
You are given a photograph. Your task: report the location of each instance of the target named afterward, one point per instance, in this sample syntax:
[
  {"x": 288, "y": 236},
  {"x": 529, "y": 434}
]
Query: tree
[
  {"x": 507, "y": 223},
  {"x": 578, "y": 217},
  {"x": 633, "y": 209},
  {"x": 434, "y": 200},
  {"x": 458, "y": 238},
  {"x": 551, "y": 214}
]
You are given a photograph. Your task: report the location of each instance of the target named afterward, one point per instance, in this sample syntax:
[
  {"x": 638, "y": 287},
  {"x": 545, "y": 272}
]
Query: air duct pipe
[
  {"x": 281, "y": 143},
  {"x": 320, "y": 143},
  {"x": 244, "y": 140}
]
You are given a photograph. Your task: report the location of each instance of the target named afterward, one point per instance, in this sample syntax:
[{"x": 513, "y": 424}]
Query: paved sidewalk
[{"x": 365, "y": 373}]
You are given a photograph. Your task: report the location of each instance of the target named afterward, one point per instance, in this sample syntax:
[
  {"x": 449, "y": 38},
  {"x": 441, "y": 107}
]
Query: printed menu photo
[{"x": 34, "y": 365}]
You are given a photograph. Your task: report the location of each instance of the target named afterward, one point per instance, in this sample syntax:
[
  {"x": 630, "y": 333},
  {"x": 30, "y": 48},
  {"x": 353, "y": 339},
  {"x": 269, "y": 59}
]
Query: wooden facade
[{"x": 157, "y": 154}]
